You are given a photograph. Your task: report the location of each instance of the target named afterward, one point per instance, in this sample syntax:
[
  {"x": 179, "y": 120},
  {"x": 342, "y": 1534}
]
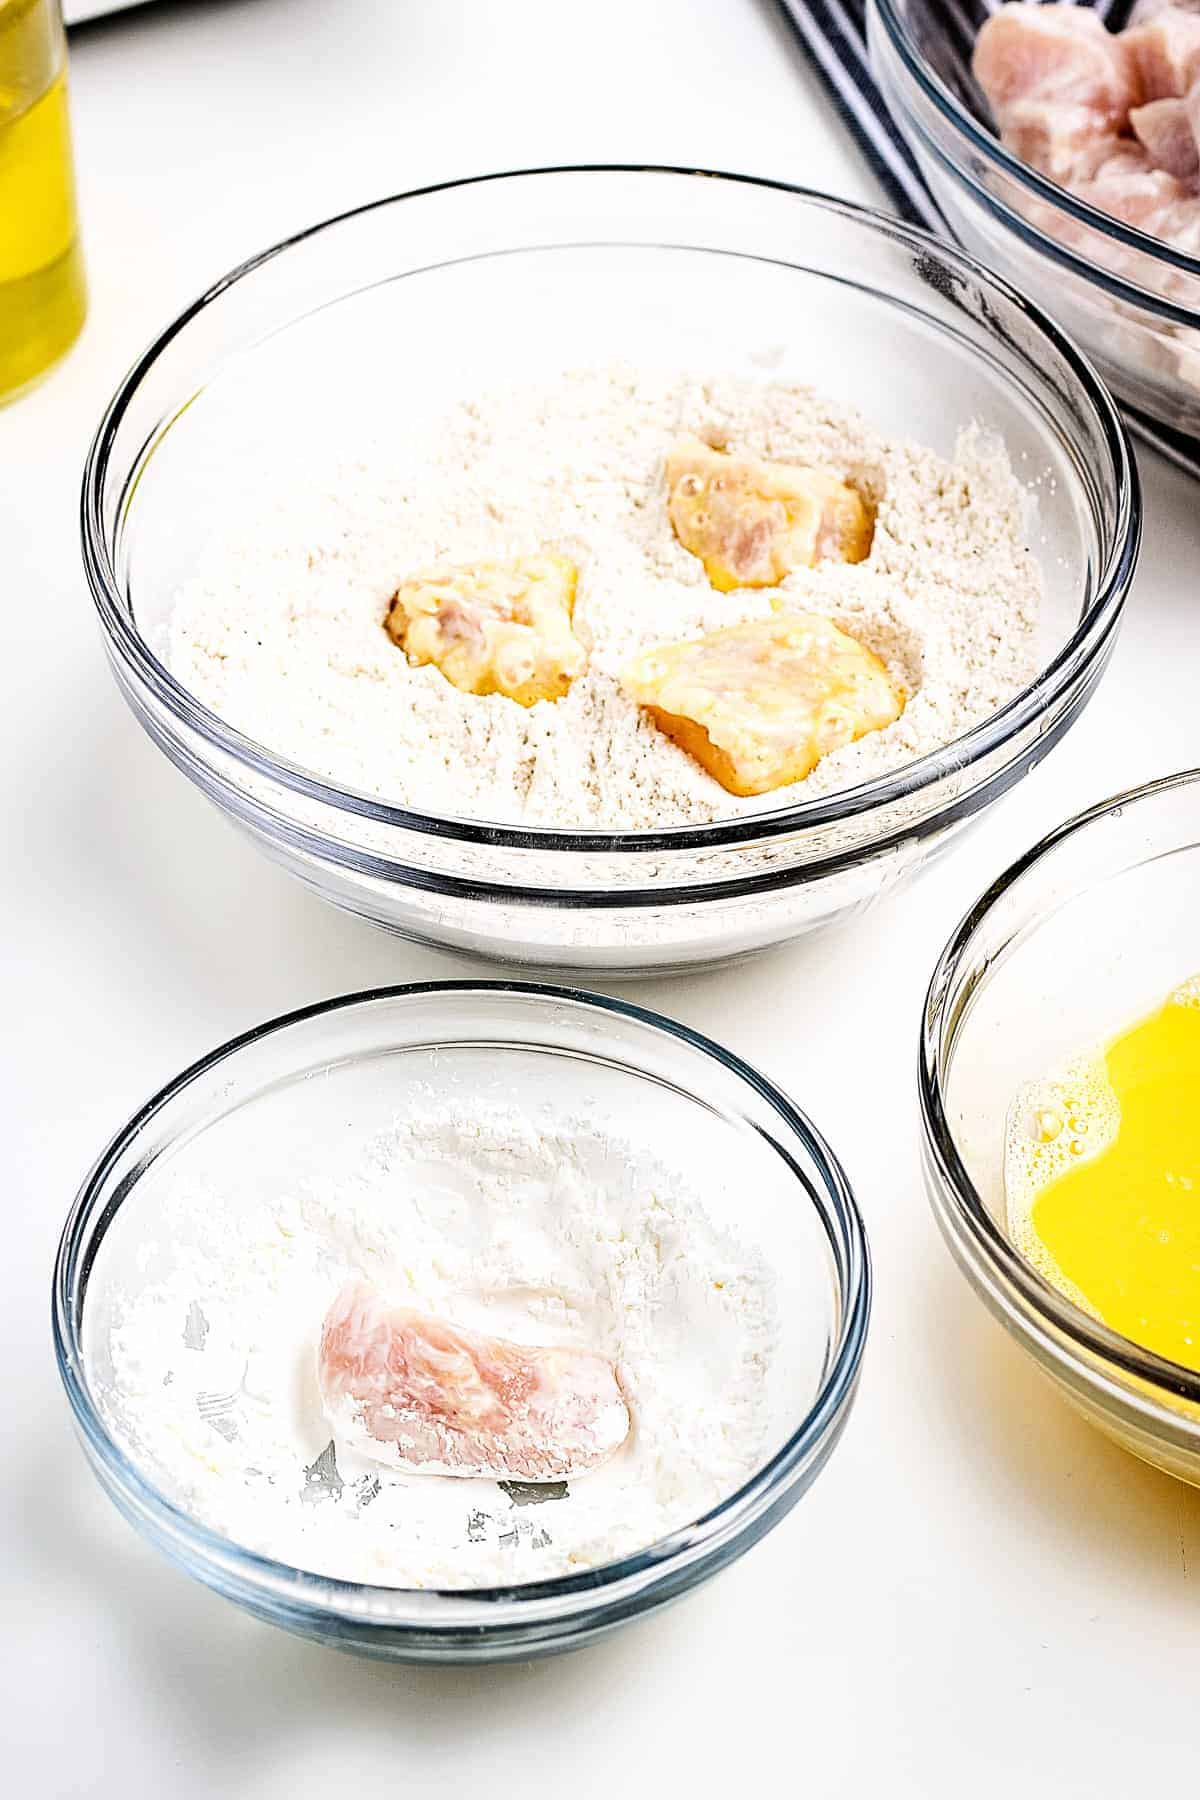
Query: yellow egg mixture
[{"x": 1102, "y": 1179}]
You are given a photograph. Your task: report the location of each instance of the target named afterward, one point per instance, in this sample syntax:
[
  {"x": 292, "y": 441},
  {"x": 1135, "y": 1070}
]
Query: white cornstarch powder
[
  {"x": 281, "y": 631},
  {"x": 541, "y": 1231}
]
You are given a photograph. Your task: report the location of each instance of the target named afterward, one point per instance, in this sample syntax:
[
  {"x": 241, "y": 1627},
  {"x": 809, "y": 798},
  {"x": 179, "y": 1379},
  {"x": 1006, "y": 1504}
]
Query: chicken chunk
[
  {"x": 494, "y": 628},
  {"x": 1129, "y": 170},
  {"x": 751, "y": 522},
  {"x": 1164, "y": 129},
  {"x": 416, "y": 1391},
  {"x": 759, "y": 704},
  {"x": 1150, "y": 9},
  {"x": 1165, "y": 54},
  {"x": 1061, "y": 142},
  {"x": 1127, "y": 186},
  {"x": 1055, "y": 55}
]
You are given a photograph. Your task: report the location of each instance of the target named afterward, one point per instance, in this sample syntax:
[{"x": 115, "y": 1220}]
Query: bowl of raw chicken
[{"x": 1060, "y": 142}]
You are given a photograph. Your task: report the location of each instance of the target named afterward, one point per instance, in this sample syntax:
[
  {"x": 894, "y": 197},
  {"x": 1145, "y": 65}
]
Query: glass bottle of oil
[{"x": 42, "y": 293}]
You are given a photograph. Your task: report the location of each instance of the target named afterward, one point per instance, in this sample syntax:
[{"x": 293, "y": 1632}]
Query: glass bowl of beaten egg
[
  {"x": 496, "y": 280},
  {"x": 1060, "y": 1064},
  {"x": 301, "y": 1106},
  {"x": 1131, "y": 300}
]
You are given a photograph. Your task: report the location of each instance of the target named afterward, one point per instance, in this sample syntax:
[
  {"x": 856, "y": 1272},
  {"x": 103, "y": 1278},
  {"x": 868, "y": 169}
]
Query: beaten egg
[{"x": 1102, "y": 1179}]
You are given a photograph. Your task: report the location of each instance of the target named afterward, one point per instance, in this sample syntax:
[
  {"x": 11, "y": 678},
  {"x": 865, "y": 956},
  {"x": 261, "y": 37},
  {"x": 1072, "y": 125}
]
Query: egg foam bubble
[
  {"x": 1056, "y": 1123},
  {"x": 1102, "y": 1178}
]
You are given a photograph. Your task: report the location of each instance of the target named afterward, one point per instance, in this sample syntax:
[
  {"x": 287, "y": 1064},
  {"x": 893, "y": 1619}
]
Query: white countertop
[{"x": 979, "y": 1593}]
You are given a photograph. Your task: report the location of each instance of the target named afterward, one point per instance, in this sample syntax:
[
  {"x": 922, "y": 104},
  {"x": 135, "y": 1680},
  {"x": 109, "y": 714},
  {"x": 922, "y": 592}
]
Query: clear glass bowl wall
[
  {"x": 282, "y": 1107},
  {"x": 1131, "y": 301},
  {"x": 389, "y": 311},
  {"x": 1087, "y": 933}
]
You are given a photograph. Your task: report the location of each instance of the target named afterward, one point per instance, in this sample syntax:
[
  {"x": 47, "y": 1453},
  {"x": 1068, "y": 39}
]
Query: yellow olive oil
[{"x": 42, "y": 293}]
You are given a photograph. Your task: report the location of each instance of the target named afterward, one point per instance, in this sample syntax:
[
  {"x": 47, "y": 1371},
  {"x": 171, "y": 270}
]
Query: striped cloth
[{"x": 833, "y": 36}]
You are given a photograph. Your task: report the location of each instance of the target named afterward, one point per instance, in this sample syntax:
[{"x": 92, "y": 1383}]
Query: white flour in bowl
[
  {"x": 539, "y": 1231},
  {"x": 281, "y": 631}
]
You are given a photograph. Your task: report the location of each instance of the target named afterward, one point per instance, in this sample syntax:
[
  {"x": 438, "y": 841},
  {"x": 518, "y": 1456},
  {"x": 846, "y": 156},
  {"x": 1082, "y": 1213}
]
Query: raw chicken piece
[
  {"x": 1127, "y": 186},
  {"x": 752, "y": 522},
  {"x": 1164, "y": 129},
  {"x": 1056, "y": 55},
  {"x": 403, "y": 1387},
  {"x": 1181, "y": 226},
  {"x": 759, "y": 704},
  {"x": 1061, "y": 142},
  {"x": 1150, "y": 9},
  {"x": 1191, "y": 104},
  {"x": 1165, "y": 54},
  {"x": 493, "y": 627}
]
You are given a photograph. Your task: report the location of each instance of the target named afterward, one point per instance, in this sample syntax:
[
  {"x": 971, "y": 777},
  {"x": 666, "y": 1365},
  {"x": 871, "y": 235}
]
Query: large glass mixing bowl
[{"x": 411, "y": 302}]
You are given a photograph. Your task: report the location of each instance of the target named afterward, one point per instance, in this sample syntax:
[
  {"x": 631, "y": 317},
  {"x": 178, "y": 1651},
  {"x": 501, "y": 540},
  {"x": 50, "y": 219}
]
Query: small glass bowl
[
  {"x": 412, "y": 302},
  {"x": 1090, "y": 930},
  {"x": 1132, "y": 301},
  {"x": 279, "y": 1107}
]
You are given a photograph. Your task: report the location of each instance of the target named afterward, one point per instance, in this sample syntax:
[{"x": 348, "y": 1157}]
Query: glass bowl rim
[
  {"x": 986, "y": 144},
  {"x": 1069, "y": 662},
  {"x": 969, "y": 1214},
  {"x": 327, "y": 1598}
]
